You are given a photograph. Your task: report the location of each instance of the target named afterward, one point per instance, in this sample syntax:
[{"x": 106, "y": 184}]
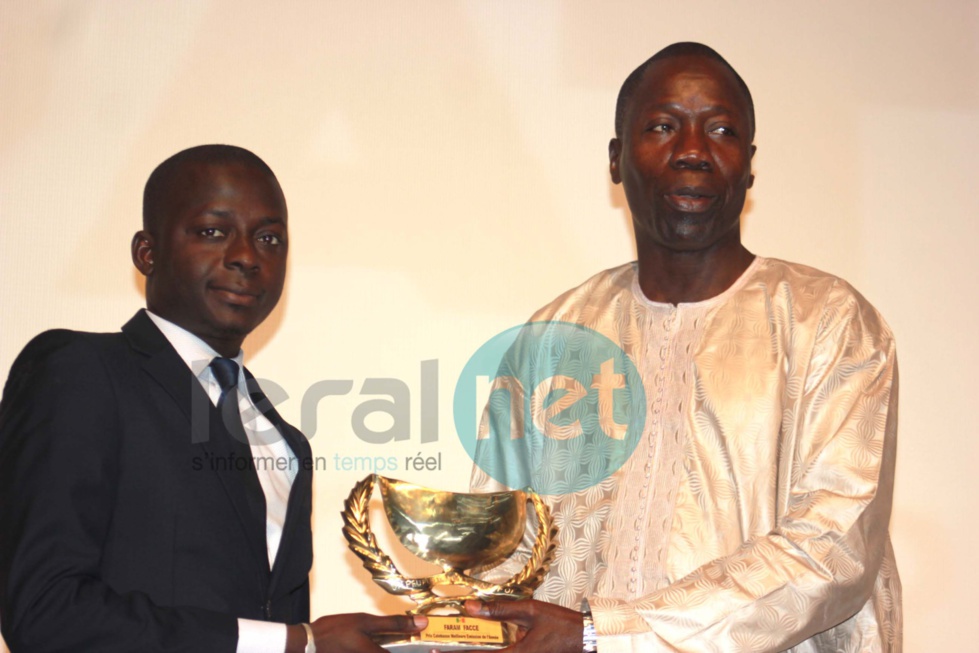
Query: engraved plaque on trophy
[{"x": 458, "y": 532}]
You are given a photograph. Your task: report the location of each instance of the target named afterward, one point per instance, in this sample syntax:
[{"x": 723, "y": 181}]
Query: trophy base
[{"x": 453, "y": 633}]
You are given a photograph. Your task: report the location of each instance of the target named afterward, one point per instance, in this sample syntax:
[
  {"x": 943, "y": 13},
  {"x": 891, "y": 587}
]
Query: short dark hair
[
  {"x": 161, "y": 180},
  {"x": 685, "y": 48}
]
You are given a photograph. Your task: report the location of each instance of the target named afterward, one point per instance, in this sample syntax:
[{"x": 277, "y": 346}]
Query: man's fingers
[
  {"x": 395, "y": 624},
  {"x": 546, "y": 627},
  {"x": 517, "y": 612}
]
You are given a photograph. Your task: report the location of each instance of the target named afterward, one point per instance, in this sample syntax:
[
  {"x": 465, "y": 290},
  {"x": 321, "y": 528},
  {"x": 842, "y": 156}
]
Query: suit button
[{"x": 268, "y": 609}]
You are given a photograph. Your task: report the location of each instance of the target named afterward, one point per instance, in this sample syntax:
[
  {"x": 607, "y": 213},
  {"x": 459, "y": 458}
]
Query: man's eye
[
  {"x": 212, "y": 232},
  {"x": 723, "y": 130},
  {"x": 660, "y": 128},
  {"x": 270, "y": 239}
]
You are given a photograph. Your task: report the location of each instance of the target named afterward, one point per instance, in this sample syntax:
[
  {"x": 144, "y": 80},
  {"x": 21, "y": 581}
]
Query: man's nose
[
  {"x": 691, "y": 149},
  {"x": 241, "y": 253}
]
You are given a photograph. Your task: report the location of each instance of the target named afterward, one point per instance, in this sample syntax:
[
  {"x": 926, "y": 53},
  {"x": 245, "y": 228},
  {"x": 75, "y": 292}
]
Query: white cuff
[{"x": 261, "y": 636}]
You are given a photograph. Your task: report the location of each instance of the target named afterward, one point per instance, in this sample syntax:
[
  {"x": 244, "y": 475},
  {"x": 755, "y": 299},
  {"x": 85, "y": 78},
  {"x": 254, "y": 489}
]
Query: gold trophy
[{"x": 459, "y": 532}]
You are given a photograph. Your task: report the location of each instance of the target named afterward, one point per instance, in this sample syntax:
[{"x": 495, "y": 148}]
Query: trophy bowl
[{"x": 458, "y": 532}]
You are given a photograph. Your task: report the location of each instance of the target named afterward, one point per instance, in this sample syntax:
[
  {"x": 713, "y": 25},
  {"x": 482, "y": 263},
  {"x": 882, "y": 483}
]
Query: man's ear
[
  {"x": 614, "y": 151},
  {"x": 751, "y": 177},
  {"x": 142, "y": 252}
]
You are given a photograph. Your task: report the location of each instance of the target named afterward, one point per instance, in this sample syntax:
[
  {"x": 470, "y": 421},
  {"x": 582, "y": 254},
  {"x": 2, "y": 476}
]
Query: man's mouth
[
  {"x": 690, "y": 200},
  {"x": 236, "y": 296}
]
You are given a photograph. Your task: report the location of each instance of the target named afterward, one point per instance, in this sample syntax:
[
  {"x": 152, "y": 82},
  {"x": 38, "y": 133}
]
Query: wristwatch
[
  {"x": 589, "y": 638},
  {"x": 310, "y": 642}
]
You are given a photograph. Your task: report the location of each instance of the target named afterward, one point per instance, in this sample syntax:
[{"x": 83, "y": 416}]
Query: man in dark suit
[{"x": 151, "y": 499}]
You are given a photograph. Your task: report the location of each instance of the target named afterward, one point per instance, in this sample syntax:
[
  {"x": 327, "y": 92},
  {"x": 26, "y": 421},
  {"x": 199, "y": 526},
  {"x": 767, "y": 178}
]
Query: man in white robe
[{"x": 752, "y": 514}]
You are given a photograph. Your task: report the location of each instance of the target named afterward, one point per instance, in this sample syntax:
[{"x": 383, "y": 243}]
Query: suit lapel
[
  {"x": 166, "y": 369},
  {"x": 301, "y": 487}
]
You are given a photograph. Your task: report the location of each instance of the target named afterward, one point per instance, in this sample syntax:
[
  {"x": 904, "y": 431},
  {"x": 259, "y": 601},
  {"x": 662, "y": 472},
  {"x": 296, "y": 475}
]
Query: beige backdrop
[{"x": 445, "y": 166}]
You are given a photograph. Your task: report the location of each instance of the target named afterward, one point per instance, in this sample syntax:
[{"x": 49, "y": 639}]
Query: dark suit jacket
[{"x": 129, "y": 519}]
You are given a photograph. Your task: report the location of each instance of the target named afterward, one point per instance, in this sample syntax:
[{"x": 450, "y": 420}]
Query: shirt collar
[{"x": 196, "y": 353}]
